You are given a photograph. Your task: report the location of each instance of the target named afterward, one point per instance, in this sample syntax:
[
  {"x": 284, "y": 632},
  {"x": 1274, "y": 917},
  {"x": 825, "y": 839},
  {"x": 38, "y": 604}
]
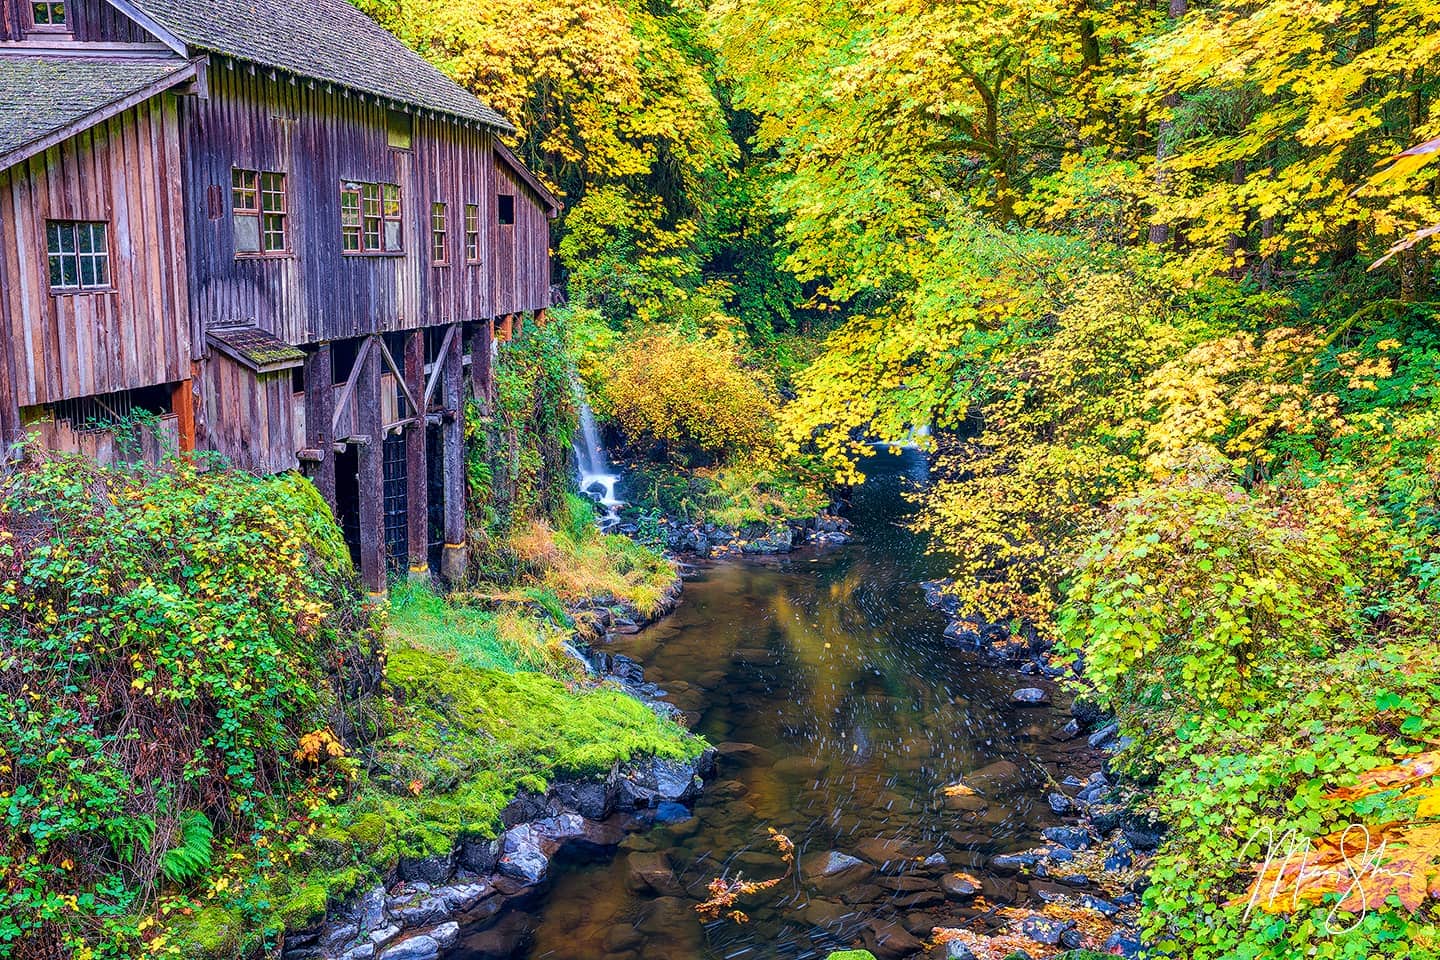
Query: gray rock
[
  {"x": 336, "y": 937},
  {"x": 1142, "y": 835},
  {"x": 593, "y": 799},
  {"x": 479, "y": 856},
  {"x": 1103, "y": 907},
  {"x": 436, "y": 869},
  {"x": 521, "y": 857},
  {"x": 1059, "y": 802},
  {"x": 1070, "y": 731},
  {"x": 1075, "y": 838},
  {"x": 1029, "y": 697},
  {"x": 1013, "y": 862},
  {"x": 1104, "y": 735},
  {"x": 954, "y": 950}
]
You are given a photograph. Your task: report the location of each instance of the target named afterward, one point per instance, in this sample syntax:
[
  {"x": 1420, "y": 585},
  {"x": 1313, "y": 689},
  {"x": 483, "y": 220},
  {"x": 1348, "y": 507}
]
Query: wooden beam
[
  {"x": 401, "y": 377},
  {"x": 453, "y": 559},
  {"x": 347, "y": 393},
  {"x": 319, "y": 379},
  {"x": 439, "y": 368},
  {"x": 417, "y": 492},
  {"x": 371, "y": 476},
  {"x": 480, "y": 336}
]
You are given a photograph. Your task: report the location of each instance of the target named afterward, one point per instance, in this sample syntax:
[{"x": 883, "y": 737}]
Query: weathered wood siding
[
  {"x": 97, "y": 20},
  {"x": 319, "y": 138},
  {"x": 89, "y": 20},
  {"x": 520, "y": 252},
  {"x": 250, "y": 418},
  {"x": 137, "y": 333}
]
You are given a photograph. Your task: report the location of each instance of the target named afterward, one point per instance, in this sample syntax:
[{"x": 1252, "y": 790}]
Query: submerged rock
[
  {"x": 1029, "y": 697},
  {"x": 834, "y": 871},
  {"x": 521, "y": 857}
]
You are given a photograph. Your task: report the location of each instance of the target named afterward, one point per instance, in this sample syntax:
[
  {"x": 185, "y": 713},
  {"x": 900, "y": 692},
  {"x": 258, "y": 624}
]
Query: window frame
[
  {"x": 472, "y": 233},
  {"x": 33, "y": 26},
  {"x": 439, "y": 234},
  {"x": 59, "y": 229},
  {"x": 268, "y": 220},
  {"x": 374, "y": 208}
]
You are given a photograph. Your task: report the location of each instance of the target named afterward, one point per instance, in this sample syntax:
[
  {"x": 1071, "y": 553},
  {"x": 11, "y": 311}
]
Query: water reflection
[{"x": 840, "y": 715}]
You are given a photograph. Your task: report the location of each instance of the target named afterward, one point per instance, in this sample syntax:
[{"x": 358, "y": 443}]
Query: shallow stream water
[{"x": 840, "y": 714}]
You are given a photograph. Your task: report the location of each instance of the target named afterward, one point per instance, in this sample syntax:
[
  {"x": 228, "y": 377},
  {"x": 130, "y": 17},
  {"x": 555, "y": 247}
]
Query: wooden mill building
[{"x": 275, "y": 229}]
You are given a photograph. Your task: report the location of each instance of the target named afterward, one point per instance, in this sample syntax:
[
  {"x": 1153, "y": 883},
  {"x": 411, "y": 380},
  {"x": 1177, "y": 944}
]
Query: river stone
[
  {"x": 952, "y": 950},
  {"x": 921, "y": 898},
  {"x": 671, "y": 812},
  {"x": 883, "y": 852},
  {"x": 1073, "y": 838},
  {"x": 425, "y": 945},
  {"x": 889, "y": 940},
  {"x": 799, "y": 768},
  {"x": 521, "y": 857},
  {"x": 1045, "y": 930},
  {"x": 997, "y": 779},
  {"x": 1104, "y": 735},
  {"x": 905, "y": 884},
  {"x": 436, "y": 869},
  {"x": 825, "y": 913},
  {"x": 744, "y": 754},
  {"x": 1122, "y": 944},
  {"x": 652, "y": 871},
  {"x": 1029, "y": 697},
  {"x": 834, "y": 871},
  {"x": 960, "y": 886},
  {"x": 479, "y": 856}
]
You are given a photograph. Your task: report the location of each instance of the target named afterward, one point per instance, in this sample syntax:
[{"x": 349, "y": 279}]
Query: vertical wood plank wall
[
  {"x": 319, "y": 139},
  {"x": 124, "y": 171},
  {"x": 520, "y": 253},
  {"x": 88, "y": 20}
]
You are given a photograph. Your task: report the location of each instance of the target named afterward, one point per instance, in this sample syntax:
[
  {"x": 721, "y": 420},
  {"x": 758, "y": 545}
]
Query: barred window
[{"x": 79, "y": 252}]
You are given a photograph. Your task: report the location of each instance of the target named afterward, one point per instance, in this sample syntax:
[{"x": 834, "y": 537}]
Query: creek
[{"x": 840, "y": 715}]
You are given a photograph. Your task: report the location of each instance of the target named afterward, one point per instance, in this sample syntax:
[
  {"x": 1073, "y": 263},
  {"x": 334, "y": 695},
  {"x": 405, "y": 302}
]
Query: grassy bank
[{"x": 208, "y": 738}]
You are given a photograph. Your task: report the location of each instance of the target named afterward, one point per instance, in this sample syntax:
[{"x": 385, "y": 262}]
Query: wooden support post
[
  {"x": 453, "y": 559},
  {"x": 482, "y": 376},
  {"x": 371, "y": 475},
  {"x": 182, "y": 401},
  {"x": 319, "y": 419},
  {"x": 417, "y": 485}
]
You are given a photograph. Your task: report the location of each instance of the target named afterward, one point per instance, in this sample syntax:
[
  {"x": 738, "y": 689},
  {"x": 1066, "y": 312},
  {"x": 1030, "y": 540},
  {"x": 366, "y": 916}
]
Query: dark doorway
[{"x": 347, "y": 498}]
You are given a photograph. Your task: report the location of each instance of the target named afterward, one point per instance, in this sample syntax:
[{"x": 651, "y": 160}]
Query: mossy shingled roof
[
  {"x": 40, "y": 96},
  {"x": 328, "y": 40}
]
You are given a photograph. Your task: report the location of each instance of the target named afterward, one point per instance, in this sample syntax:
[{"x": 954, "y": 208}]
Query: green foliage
[
  {"x": 165, "y": 638},
  {"x": 191, "y": 850}
]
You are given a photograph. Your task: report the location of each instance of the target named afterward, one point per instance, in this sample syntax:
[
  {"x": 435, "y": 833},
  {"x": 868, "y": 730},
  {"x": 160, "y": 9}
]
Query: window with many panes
[
  {"x": 437, "y": 234},
  {"x": 472, "y": 233},
  {"x": 370, "y": 218},
  {"x": 79, "y": 253},
  {"x": 258, "y": 203},
  {"x": 48, "y": 16}
]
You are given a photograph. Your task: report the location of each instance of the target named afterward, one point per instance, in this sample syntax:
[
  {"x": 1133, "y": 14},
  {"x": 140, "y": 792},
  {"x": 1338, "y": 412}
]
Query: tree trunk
[{"x": 1160, "y": 232}]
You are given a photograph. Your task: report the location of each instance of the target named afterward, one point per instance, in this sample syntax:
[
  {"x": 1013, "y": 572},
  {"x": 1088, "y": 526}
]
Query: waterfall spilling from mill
[{"x": 596, "y": 476}]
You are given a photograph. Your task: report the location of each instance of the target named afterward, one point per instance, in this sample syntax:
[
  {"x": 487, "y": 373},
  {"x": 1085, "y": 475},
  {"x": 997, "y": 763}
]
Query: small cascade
[{"x": 598, "y": 480}]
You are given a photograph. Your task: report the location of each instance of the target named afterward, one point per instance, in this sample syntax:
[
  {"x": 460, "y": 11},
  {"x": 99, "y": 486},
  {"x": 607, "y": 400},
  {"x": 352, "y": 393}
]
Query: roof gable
[
  {"x": 327, "y": 40},
  {"x": 45, "y": 100},
  {"x": 507, "y": 156}
]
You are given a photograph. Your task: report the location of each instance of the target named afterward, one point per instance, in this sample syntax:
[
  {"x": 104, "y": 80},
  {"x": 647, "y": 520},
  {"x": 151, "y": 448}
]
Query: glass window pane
[
  {"x": 69, "y": 271},
  {"x": 102, "y": 271},
  {"x": 87, "y": 271},
  {"x": 392, "y": 200},
  {"x": 247, "y": 234},
  {"x": 55, "y": 274},
  {"x": 57, "y": 13},
  {"x": 274, "y": 232},
  {"x": 52, "y": 237},
  {"x": 392, "y": 235},
  {"x": 83, "y": 238}
]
